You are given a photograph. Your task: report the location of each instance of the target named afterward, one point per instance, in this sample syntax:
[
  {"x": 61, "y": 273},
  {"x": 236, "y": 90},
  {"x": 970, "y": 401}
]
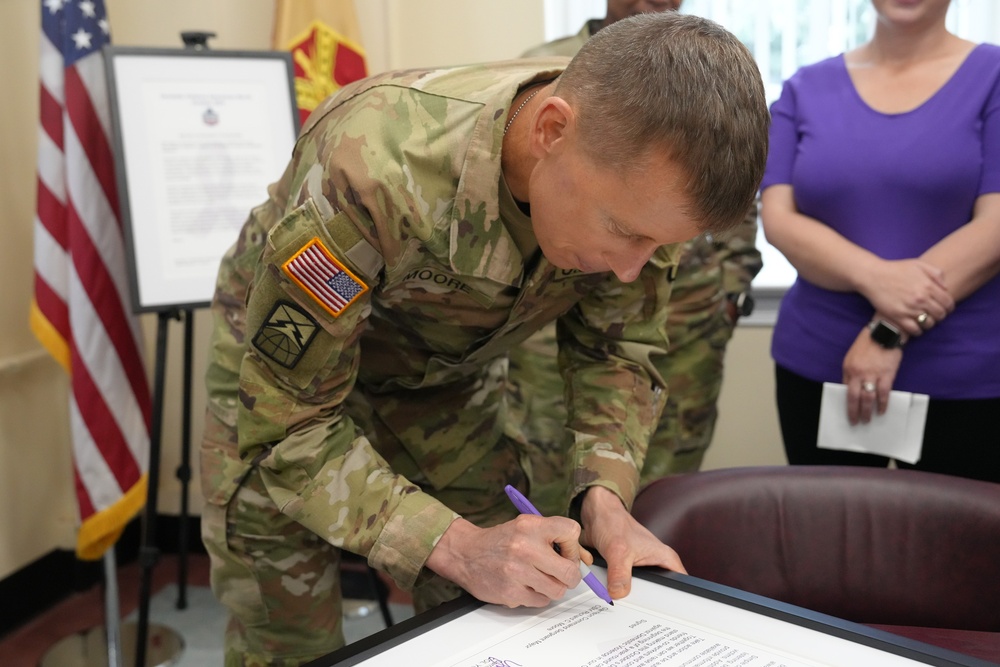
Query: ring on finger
[
  {"x": 922, "y": 319},
  {"x": 868, "y": 386}
]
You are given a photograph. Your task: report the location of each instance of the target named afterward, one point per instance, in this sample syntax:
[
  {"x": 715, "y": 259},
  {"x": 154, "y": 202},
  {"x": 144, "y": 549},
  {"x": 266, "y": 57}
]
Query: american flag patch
[{"x": 324, "y": 278}]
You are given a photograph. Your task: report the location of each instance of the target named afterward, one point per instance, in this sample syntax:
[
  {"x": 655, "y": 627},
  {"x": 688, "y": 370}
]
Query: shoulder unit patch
[
  {"x": 330, "y": 283},
  {"x": 285, "y": 334}
]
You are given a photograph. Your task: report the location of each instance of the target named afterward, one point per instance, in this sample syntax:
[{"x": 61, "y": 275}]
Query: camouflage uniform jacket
[
  {"x": 709, "y": 268},
  {"x": 392, "y": 195}
]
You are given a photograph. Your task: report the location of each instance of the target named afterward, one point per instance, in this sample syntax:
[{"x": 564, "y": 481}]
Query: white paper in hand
[{"x": 898, "y": 434}]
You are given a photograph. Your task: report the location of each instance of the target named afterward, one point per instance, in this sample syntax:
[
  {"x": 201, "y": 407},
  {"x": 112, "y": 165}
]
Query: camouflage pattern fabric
[
  {"x": 699, "y": 328},
  {"x": 369, "y": 403},
  {"x": 565, "y": 46}
]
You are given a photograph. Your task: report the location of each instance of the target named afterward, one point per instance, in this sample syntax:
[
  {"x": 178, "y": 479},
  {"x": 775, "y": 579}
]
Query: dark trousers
[{"x": 961, "y": 437}]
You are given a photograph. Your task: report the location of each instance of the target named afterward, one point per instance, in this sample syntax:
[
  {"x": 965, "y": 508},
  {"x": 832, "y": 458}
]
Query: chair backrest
[{"x": 870, "y": 545}]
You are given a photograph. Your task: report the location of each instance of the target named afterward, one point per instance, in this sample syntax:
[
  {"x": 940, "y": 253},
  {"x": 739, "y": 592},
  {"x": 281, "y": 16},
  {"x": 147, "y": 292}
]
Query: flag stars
[
  {"x": 81, "y": 38},
  {"x": 88, "y": 9},
  {"x": 53, "y": 5},
  {"x": 104, "y": 26}
]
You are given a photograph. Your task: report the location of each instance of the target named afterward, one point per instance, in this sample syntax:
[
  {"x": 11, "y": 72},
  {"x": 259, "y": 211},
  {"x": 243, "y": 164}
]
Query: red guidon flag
[
  {"x": 80, "y": 307},
  {"x": 324, "y": 40}
]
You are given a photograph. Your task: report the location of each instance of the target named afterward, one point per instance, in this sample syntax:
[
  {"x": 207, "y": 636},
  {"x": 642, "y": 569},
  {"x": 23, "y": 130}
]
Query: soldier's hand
[
  {"x": 621, "y": 540},
  {"x": 513, "y": 564}
]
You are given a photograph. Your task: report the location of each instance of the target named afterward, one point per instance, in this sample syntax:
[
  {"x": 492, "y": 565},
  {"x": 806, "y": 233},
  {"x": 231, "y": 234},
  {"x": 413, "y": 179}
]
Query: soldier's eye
[{"x": 618, "y": 231}]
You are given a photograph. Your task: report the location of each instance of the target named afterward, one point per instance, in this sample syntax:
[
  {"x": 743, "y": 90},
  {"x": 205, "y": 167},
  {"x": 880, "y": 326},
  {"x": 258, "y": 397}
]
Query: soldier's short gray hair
[{"x": 680, "y": 84}]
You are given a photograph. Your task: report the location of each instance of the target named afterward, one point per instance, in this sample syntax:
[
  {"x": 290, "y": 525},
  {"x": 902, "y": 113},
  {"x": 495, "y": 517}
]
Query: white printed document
[{"x": 586, "y": 632}]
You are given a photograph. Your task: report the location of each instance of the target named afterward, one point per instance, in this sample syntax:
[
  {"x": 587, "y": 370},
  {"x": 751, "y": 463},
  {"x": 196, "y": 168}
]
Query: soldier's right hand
[{"x": 513, "y": 564}]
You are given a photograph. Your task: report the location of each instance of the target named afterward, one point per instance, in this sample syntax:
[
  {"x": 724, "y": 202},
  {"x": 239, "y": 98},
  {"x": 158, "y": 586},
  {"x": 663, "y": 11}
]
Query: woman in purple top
[{"x": 883, "y": 190}]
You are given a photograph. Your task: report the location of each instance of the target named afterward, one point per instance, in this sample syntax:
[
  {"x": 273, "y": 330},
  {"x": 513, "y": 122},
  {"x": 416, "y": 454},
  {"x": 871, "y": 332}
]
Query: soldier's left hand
[{"x": 621, "y": 540}]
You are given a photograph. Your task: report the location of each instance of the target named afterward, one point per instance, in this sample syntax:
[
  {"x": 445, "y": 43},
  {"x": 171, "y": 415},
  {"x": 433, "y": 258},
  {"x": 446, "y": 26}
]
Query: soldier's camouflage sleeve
[
  {"x": 303, "y": 354},
  {"x": 608, "y": 347},
  {"x": 317, "y": 466},
  {"x": 739, "y": 256}
]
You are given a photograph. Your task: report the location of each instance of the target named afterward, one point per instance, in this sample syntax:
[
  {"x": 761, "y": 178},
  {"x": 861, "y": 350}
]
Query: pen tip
[{"x": 611, "y": 602}]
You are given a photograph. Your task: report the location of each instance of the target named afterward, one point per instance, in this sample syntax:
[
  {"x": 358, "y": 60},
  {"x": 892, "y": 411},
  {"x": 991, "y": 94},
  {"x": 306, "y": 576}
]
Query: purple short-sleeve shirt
[{"x": 895, "y": 184}]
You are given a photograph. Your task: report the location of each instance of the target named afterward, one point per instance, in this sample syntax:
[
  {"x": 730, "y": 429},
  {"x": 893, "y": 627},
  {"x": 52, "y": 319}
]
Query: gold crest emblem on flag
[{"x": 323, "y": 60}]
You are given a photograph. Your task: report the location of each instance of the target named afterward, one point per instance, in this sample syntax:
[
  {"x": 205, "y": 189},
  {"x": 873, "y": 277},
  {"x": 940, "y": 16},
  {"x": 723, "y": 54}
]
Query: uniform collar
[{"x": 479, "y": 243}]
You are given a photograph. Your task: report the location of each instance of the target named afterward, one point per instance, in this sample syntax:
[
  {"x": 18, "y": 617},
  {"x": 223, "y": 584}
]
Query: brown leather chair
[{"x": 916, "y": 551}]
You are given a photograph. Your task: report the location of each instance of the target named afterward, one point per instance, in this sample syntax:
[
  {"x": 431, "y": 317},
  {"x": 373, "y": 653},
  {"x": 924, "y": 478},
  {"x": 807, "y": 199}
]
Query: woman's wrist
[{"x": 866, "y": 275}]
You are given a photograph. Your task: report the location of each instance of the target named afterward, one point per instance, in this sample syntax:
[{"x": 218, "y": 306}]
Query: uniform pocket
[{"x": 233, "y": 580}]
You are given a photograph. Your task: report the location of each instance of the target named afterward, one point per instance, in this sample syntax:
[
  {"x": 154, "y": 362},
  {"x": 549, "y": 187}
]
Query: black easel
[{"x": 149, "y": 554}]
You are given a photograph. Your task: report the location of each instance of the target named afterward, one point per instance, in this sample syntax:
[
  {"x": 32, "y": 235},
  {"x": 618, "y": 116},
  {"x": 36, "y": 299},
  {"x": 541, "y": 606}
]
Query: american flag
[
  {"x": 324, "y": 278},
  {"x": 79, "y": 311}
]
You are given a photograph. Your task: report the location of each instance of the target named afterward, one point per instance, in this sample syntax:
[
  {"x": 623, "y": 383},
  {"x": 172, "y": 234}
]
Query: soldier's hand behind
[
  {"x": 622, "y": 541},
  {"x": 513, "y": 564}
]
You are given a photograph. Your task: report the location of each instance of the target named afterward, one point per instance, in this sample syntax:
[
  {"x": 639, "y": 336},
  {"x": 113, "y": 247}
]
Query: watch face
[{"x": 886, "y": 335}]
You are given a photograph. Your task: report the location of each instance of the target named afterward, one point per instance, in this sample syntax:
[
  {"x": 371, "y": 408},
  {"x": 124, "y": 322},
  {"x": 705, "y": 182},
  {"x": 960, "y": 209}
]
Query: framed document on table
[{"x": 669, "y": 620}]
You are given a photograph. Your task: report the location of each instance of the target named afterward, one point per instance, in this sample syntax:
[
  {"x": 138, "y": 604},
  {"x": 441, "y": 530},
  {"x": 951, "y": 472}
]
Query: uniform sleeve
[
  {"x": 739, "y": 256},
  {"x": 783, "y": 138},
  {"x": 306, "y": 309},
  {"x": 607, "y": 347}
]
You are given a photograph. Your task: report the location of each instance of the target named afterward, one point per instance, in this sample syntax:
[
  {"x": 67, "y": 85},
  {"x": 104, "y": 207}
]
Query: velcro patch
[
  {"x": 286, "y": 334},
  {"x": 330, "y": 283}
]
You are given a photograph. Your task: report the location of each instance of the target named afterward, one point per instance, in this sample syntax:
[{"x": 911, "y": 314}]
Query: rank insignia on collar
[
  {"x": 285, "y": 334},
  {"x": 330, "y": 283}
]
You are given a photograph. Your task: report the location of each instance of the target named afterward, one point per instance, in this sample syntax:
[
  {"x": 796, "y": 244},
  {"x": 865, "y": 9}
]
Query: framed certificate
[
  {"x": 199, "y": 135},
  {"x": 669, "y": 620}
]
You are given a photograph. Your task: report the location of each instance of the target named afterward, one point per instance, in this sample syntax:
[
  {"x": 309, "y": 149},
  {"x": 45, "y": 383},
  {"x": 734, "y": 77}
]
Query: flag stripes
[
  {"x": 80, "y": 307},
  {"x": 320, "y": 275}
]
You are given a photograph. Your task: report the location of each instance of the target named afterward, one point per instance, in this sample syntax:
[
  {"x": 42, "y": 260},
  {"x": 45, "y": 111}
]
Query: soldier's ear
[{"x": 553, "y": 125}]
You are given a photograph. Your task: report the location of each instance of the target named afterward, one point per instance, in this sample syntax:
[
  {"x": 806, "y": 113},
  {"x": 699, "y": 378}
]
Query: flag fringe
[
  {"x": 49, "y": 336},
  {"x": 101, "y": 530}
]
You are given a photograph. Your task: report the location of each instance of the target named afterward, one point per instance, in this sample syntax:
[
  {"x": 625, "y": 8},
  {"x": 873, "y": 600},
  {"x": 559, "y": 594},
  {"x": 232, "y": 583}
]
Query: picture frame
[{"x": 198, "y": 134}]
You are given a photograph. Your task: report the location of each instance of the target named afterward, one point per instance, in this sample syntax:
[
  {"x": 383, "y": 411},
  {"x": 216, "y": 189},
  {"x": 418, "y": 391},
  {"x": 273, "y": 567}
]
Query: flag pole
[{"x": 112, "y": 613}]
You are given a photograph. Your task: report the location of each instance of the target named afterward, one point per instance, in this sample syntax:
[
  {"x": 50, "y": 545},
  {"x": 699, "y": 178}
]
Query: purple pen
[{"x": 524, "y": 506}]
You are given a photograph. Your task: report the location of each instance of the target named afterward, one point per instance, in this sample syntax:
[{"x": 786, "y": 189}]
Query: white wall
[{"x": 747, "y": 433}]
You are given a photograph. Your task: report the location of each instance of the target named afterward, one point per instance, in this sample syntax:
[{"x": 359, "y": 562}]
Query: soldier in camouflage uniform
[
  {"x": 711, "y": 275},
  {"x": 362, "y": 320}
]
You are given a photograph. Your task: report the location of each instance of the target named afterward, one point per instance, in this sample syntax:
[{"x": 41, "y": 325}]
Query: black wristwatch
[
  {"x": 885, "y": 334},
  {"x": 743, "y": 302}
]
